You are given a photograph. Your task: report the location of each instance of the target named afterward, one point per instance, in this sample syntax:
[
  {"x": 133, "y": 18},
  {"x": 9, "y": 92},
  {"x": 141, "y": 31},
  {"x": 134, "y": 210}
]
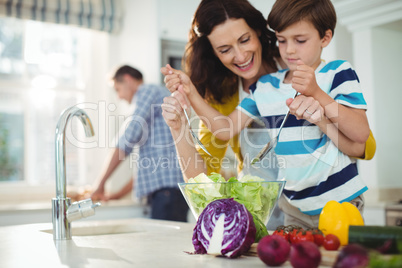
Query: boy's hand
[
  {"x": 306, "y": 108},
  {"x": 304, "y": 80}
]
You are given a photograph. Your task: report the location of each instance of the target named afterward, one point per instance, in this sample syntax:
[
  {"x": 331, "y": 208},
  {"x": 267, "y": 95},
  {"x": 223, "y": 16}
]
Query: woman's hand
[
  {"x": 175, "y": 79},
  {"x": 172, "y": 110},
  {"x": 306, "y": 108},
  {"x": 172, "y": 78}
]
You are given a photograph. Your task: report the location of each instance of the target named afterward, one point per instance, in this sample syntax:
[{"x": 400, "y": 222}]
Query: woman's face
[{"x": 238, "y": 48}]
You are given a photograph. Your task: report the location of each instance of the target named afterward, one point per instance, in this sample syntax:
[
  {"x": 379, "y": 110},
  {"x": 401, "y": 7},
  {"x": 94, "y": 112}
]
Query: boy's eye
[{"x": 301, "y": 41}]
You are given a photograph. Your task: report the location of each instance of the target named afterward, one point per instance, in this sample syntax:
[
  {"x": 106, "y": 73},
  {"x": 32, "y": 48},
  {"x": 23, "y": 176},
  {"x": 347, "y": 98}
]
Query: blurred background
[{"x": 55, "y": 54}]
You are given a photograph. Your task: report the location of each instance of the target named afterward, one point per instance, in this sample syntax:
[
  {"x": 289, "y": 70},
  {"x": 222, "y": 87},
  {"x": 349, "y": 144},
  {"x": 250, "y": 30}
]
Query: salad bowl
[{"x": 258, "y": 195}]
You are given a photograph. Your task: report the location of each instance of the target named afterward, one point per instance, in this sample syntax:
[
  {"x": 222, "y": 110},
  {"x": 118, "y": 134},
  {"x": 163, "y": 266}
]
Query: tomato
[
  {"x": 318, "y": 237},
  {"x": 331, "y": 242},
  {"x": 293, "y": 238},
  {"x": 282, "y": 233},
  {"x": 304, "y": 236}
]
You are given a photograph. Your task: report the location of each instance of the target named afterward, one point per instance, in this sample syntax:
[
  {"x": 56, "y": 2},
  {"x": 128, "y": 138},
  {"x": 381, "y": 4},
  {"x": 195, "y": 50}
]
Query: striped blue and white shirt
[
  {"x": 313, "y": 167},
  {"x": 157, "y": 162}
]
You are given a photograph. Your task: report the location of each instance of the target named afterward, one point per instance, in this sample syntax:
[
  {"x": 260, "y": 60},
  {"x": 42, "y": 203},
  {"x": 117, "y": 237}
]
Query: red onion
[
  {"x": 273, "y": 250},
  {"x": 305, "y": 255},
  {"x": 352, "y": 256}
]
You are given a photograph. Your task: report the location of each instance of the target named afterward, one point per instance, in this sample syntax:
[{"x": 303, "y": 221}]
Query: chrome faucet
[{"x": 63, "y": 212}]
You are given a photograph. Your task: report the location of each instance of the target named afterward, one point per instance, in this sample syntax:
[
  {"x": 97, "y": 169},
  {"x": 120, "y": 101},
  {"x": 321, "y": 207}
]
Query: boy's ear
[{"x": 327, "y": 38}]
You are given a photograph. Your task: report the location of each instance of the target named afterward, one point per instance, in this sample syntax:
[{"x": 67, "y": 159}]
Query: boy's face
[{"x": 301, "y": 41}]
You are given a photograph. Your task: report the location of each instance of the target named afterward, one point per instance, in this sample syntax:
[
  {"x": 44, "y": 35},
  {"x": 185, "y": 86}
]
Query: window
[{"x": 41, "y": 74}]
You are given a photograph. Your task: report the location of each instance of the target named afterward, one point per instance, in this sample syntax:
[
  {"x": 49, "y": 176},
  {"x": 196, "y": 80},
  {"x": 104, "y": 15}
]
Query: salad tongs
[
  {"x": 195, "y": 136},
  {"x": 271, "y": 144}
]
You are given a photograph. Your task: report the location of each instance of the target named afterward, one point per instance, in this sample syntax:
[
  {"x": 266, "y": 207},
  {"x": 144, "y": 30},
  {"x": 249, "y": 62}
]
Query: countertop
[{"x": 132, "y": 243}]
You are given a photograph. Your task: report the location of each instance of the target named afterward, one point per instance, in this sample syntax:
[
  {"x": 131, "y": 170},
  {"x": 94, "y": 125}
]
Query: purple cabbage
[{"x": 236, "y": 236}]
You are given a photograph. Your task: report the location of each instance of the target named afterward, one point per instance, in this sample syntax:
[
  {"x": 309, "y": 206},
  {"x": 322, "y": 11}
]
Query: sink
[{"x": 109, "y": 228}]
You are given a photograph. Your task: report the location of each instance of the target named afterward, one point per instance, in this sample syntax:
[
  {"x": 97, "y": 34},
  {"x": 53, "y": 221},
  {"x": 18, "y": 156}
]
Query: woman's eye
[
  {"x": 245, "y": 40},
  {"x": 223, "y": 51},
  {"x": 281, "y": 41}
]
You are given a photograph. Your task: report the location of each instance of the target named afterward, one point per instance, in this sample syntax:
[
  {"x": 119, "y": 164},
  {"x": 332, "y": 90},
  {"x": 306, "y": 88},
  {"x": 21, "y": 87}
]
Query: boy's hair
[
  {"x": 321, "y": 13},
  {"x": 125, "y": 69}
]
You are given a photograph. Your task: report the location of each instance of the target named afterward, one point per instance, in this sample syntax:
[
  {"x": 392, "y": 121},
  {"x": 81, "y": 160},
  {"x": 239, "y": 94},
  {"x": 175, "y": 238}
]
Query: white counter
[
  {"x": 41, "y": 212},
  {"x": 145, "y": 243}
]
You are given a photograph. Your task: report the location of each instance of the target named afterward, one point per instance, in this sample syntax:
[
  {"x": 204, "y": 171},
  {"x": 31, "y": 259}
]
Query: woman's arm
[
  {"x": 191, "y": 162},
  {"x": 223, "y": 127}
]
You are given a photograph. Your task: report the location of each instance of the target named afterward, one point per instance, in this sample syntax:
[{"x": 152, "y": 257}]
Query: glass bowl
[{"x": 259, "y": 197}]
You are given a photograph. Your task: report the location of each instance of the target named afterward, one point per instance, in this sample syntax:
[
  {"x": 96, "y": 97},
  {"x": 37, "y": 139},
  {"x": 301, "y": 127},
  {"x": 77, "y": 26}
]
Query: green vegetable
[
  {"x": 388, "y": 239},
  {"x": 261, "y": 229},
  {"x": 380, "y": 261}
]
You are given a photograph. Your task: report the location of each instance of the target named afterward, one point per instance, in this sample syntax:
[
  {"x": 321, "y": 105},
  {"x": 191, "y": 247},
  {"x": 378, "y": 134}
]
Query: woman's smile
[{"x": 246, "y": 65}]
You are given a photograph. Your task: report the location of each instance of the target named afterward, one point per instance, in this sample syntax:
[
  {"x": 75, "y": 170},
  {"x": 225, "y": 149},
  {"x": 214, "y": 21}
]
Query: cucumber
[{"x": 386, "y": 238}]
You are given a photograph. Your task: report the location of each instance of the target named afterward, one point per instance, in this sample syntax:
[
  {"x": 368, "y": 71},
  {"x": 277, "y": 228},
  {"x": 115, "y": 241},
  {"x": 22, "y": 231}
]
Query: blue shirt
[
  {"x": 313, "y": 167},
  {"x": 157, "y": 161}
]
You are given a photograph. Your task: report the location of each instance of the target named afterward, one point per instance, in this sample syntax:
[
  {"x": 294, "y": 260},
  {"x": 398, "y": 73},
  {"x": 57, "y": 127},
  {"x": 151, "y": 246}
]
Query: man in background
[{"x": 157, "y": 163}]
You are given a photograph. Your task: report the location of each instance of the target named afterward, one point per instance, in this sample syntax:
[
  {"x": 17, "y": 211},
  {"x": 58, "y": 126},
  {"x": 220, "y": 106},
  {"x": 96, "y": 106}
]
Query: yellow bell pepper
[{"x": 335, "y": 218}]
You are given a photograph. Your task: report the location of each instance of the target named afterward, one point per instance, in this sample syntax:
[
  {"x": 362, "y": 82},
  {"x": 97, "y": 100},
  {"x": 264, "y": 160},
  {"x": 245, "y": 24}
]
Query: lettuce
[{"x": 258, "y": 196}]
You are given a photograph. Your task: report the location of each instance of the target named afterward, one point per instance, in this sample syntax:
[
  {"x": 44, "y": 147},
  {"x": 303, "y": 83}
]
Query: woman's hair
[
  {"x": 321, "y": 13},
  {"x": 211, "y": 78}
]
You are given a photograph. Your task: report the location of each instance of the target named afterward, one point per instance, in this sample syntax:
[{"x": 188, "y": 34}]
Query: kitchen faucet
[{"x": 63, "y": 212}]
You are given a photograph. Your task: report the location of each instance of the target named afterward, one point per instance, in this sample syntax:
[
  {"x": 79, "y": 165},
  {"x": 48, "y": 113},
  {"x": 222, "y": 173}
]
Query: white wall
[
  {"x": 387, "y": 57},
  {"x": 377, "y": 54},
  {"x": 138, "y": 43},
  {"x": 362, "y": 49},
  {"x": 175, "y": 16}
]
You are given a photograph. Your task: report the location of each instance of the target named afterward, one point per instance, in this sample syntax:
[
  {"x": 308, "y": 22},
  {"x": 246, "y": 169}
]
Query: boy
[{"x": 329, "y": 113}]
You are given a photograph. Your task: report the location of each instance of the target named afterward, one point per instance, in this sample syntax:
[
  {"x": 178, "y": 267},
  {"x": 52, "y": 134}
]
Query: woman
[{"x": 229, "y": 48}]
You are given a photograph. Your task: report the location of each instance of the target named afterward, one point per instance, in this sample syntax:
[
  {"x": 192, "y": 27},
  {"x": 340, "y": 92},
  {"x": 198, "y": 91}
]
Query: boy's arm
[
  {"x": 351, "y": 122},
  {"x": 301, "y": 107},
  {"x": 344, "y": 144}
]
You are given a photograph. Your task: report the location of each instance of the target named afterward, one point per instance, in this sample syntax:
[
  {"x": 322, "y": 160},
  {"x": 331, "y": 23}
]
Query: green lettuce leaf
[{"x": 259, "y": 198}]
